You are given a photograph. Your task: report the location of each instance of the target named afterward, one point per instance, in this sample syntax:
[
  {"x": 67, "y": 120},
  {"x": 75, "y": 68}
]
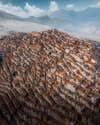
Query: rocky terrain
[{"x": 49, "y": 78}]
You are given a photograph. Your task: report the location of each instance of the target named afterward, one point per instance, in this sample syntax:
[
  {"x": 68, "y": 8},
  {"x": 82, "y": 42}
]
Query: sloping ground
[{"x": 49, "y": 78}]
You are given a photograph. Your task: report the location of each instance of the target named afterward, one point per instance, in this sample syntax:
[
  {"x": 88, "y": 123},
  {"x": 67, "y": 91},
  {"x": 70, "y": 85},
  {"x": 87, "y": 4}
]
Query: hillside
[
  {"x": 5, "y": 15},
  {"x": 49, "y": 78}
]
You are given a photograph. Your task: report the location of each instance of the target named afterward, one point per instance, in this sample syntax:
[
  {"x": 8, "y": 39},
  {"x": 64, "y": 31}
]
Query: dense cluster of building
[{"x": 49, "y": 78}]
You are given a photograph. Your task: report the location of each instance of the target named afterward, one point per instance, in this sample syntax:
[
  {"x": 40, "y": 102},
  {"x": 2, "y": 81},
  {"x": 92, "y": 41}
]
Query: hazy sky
[{"x": 43, "y": 7}]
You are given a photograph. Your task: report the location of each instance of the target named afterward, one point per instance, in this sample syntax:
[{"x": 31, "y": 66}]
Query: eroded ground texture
[{"x": 49, "y": 78}]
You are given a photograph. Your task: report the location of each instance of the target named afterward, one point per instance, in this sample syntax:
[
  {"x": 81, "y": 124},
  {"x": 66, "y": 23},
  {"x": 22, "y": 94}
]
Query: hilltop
[{"x": 49, "y": 78}]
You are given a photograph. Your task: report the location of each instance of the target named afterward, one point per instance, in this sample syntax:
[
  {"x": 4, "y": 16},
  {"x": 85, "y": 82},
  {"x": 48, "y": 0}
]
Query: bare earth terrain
[{"x": 49, "y": 78}]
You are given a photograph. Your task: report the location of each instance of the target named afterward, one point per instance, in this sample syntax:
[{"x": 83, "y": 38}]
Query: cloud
[
  {"x": 53, "y": 6},
  {"x": 15, "y": 10},
  {"x": 28, "y": 10},
  {"x": 97, "y": 5},
  {"x": 70, "y": 6},
  {"x": 33, "y": 10}
]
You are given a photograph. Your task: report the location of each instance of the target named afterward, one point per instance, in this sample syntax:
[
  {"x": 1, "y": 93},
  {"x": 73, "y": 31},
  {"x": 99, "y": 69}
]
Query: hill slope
[
  {"x": 49, "y": 78},
  {"x": 4, "y": 16}
]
